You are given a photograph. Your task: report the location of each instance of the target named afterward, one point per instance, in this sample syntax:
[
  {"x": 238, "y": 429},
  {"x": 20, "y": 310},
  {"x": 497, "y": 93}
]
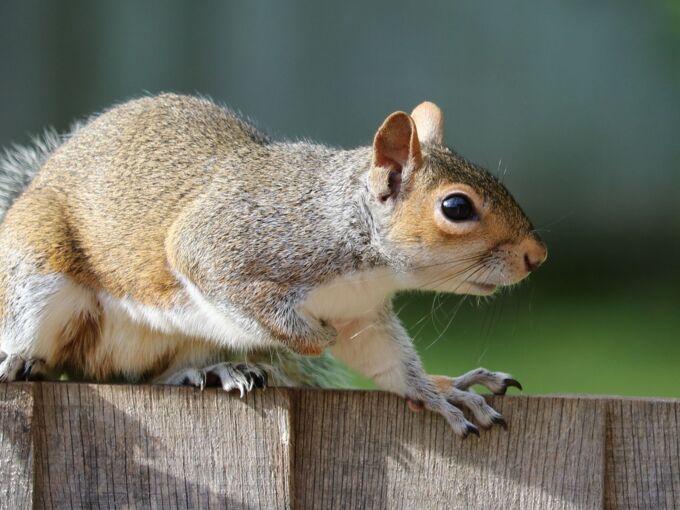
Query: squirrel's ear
[
  {"x": 430, "y": 122},
  {"x": 396, "y": 151}
]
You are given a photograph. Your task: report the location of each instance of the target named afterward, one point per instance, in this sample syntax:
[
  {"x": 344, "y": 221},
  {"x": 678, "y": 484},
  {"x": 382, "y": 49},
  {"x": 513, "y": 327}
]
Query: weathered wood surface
[
  {"x": 16, "y": 446},
  {"x": 65, "y": 445},
  {"x": 376, "y": 453},
  {"x": 127, "y": 446},
  {"x": 642, "y": 454}
]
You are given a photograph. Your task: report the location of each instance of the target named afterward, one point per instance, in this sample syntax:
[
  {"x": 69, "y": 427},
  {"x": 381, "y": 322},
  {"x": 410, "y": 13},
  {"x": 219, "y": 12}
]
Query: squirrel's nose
[{"x": 534, "y": 255}]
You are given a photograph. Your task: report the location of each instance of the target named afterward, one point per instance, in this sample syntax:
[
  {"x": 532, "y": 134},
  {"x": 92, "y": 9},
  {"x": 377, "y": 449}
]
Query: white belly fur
[
  {"x": 134, "y": 335},
  {"x": 355, "y": 296},
  {"x": 193, "y": 316}
]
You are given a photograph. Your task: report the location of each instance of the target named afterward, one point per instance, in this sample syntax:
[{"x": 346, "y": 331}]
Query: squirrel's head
[{"x": 461, "y": 230}]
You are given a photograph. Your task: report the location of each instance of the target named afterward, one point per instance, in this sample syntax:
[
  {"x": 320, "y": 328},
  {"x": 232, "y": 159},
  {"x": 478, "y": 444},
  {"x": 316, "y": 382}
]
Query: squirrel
[{"x": 168, "y": 240}]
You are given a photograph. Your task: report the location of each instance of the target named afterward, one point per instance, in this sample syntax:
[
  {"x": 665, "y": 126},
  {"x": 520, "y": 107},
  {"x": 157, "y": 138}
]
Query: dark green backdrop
[{"x": 578, "y": 103}]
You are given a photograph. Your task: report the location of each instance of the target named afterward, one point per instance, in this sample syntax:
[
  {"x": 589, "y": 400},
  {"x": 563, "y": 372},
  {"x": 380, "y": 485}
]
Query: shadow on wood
[{"x": 67, "y": 445}]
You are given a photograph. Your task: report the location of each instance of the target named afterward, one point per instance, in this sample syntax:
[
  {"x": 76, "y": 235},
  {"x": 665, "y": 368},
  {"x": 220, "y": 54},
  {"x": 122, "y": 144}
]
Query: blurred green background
[{"x": 577, "y": 103}]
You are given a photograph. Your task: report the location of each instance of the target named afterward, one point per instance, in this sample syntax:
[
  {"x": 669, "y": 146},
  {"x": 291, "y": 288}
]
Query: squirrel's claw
[
  {"x": 242, "y": 377},
  {"x": 259, "y": 379},
  {"x": 14, "y": 367},
  {"x": 457, "y": 392},
  {"x": 512, "y": 382},
  {"x": 187, "y": 377},
  {"x": 496, "y": 382},
  {"x": 499, "y": 420},
  {"x": 471, "y": 429},
  {"x": 485, "y": 415},
  {"x": 507, "y": 382}
]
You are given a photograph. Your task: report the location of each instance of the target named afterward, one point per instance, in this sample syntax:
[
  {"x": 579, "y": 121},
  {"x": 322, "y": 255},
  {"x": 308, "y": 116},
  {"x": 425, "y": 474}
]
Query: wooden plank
[
  {"x": 81, "y": 446},
  {"x": 108, "y": 446},
  {"x": 643, "y": 454},
  {"x": 367, "y": 450},
  {"x": 16, "y": 446}
]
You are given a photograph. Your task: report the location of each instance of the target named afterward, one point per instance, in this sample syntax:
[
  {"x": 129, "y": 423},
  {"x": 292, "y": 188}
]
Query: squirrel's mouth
[{"x": 480, "y": 289}]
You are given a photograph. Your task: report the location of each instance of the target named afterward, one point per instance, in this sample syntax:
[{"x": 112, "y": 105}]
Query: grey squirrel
[{"x": 165, "y": 237}]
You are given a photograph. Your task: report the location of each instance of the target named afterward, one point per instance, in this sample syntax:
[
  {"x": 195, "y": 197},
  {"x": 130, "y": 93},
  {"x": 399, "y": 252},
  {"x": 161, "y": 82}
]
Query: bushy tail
[{"x": 19, "y": 164}]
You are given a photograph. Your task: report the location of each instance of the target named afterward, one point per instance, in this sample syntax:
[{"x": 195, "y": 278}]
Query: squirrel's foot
[
  {"x": 457, "y": 391},
  {"x": 456, "y": 399},
  {"x": 457, "y": 421},
  {"x": 229, "y": 376},
  {"x": 453, "y": 415},
  {"x": 14, "y": 367},
  {"x": 496, "y": 382},
  {"x": 484, "y": 414}
]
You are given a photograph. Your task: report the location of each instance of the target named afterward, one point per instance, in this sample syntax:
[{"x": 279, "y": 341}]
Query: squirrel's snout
[{"x": 535, "y": 253}]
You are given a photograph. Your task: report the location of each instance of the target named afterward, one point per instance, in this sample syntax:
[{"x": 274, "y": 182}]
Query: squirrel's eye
[{"x": 458, "y": 207}]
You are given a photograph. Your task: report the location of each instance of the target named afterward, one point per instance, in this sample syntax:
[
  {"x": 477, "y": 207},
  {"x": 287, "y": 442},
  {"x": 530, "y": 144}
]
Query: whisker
[
  {"x": 448, "y": 325},
  {"x": 555, "y": 222},
  {"x": 481, "y": 356},
  {"x": 477, "y": 270},
  {"x": 448, "y": 277},
  {"x": 368, "y": 326},
  {"x": 432, "y": 308},
  {"x": 496, "y": 315},
  {"x": 467, "y": 258},
  {"x": 486, "y": 316},
  {"x": 456, "y": 308},
  {"x": 467, "y": 278},
  {"x": 417, "y": 334},
  {"x": 419, "y": 322},
  {"x": 442, "y": 301},
  {"x": 458, "y": 260}
]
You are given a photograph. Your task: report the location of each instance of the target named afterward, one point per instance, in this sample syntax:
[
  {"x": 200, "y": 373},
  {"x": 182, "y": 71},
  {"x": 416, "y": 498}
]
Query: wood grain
[
  {"x": 160, "y": 447},
  {"x": 65, "y": 445},
  {"x": 643, "y": 454},
  {"x": 367, "y": 450},
  {"x": 16, "y": 446}
]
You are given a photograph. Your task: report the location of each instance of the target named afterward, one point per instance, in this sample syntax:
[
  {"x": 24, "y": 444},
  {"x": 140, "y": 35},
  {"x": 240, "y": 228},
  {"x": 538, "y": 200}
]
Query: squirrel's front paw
[
  {"x": 484, "y": 414},
  {"x": 496, "y": 382},
  {"x": 456, "y": 419},
  {"x": 14, "y": 367},
  {"x": 457, "y": 391}
]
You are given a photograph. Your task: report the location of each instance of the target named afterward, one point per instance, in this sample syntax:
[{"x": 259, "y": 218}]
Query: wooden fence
[{"x": 65, "y": 445}]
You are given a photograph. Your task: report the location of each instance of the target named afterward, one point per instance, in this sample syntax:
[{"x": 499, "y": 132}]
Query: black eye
[{"x": 458, "y": 207}]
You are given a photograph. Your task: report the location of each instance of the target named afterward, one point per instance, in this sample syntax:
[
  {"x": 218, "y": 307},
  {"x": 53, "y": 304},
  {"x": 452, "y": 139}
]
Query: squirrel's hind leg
[
  {"x": 40, "y": 323},
  {"x": 229, "y": 376}
]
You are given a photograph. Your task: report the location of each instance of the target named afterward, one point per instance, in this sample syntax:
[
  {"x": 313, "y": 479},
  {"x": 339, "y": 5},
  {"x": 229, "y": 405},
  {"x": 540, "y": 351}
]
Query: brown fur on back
[{"x": 113, "y": 190}]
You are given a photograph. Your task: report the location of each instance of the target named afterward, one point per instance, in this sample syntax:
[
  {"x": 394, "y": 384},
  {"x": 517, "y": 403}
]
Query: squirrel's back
[{"x": 114, "y": 188}]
